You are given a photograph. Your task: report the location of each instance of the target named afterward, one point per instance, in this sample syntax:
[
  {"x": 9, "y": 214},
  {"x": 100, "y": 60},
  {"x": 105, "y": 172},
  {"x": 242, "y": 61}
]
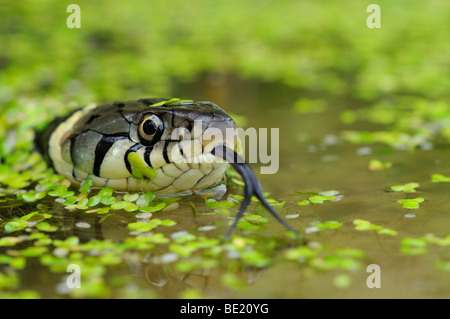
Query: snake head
[
  {"x": 163, "y": 146},
  {"x": 170, "y": 142},
  {"x": 190, "y": 130}
]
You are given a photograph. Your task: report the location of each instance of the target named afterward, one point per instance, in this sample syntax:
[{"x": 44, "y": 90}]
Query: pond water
[
  {"x": 313, "y": 157},
  {"x": 362, "y": 225}
]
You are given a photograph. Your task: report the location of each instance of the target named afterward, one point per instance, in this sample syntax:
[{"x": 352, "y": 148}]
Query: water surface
[{"x": 313, "y": 158}]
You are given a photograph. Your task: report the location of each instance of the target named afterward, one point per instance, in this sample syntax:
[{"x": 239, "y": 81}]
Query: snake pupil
[{"x": 149, "y": 127}]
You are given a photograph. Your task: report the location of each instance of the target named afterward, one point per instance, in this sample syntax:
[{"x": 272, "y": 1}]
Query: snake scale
[{"x": 152, "y": 145}]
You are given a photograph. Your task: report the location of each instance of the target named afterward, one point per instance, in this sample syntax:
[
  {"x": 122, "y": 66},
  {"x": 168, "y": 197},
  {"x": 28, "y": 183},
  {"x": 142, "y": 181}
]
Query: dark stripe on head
[
  {"x": 164, "y": 152},
  {"x": 147, "y": 152},
  {"x": 181, "y": 150},
  {"x": 103, "y": 147},
  {"x": 133, "y": 148}
]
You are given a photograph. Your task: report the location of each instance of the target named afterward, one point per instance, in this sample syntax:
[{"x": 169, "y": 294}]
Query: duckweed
[
  {"x": 319, "y": 258},
  {"x": 46, "y": 227},
  {"x": 86, "y": 185},
  {"x": 406, "y": 188},
  {"x": 225, "y": 204},
  {"x": 155, "y": 208},
  {"x": 377, "y": 165},
  {"x": 413, "y": 246},
  {"x": 304, "y": 202},
  {"x": 319, "y": 199},
  {"x": 15, "y": 225},
  {"x": 139, "y": 168},
  {"x": 363, "y": 225},
  {"x": 412, "y": 203},
  {"x": 146, "y": 226},
  {"x": 439, "y": 178},
  {"x": 399, "y": 100},
  {"x": 190, "y": 251},
  {"x": 330, "y": 224},
  {"x": 9, "y": 241},
  {"x": 171, "y": 102},
  {"x": 246, "y": 225}
]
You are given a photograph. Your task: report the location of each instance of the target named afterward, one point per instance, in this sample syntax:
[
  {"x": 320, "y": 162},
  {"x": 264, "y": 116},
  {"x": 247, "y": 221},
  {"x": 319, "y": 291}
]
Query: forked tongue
[{"x": 252, "y": 187}]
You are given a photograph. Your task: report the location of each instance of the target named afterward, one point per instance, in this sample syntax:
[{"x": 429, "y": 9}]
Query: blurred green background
[
  {"x": 124, "y": 50},
  {"x": 141, "y": 48}
]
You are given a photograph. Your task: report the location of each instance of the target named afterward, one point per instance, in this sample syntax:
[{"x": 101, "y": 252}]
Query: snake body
[{"x": 149, "y": 145}]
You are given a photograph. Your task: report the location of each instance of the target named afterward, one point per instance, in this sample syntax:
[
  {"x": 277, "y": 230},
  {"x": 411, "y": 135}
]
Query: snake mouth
[{"x": 252, "y": 186}]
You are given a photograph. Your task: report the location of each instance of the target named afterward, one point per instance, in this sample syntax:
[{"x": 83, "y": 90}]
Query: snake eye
[{"x": 150, "y": 129}]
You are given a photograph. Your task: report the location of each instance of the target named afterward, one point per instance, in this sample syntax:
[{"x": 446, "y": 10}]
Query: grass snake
[{"x": 152, "y": 145}]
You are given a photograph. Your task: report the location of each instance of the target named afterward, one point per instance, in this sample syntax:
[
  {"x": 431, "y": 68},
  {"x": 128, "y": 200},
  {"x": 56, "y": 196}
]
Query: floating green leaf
[
  {"x": 121, "y": 205},
  {"x": 413, "y": 246},
  {"x": 377, "y": 165},
  {"x": 225, "y": 204},
  {"x": 247, "y": 225},
  {"x": 46, "y": 227},
  {"x": 9, "y": 241},
  {"x": 149, "y": 225},
  {"x": 139, "y": 169},
  {"x": 439, "y": 178},
  {"x": 150, "y": 209},
  {"x": 319, "y": 199},
  {"x": 31, "y": 196},
  {"x": 33, "y": 251},
  {"x": 412, "y": 203},
  {"x": 130, "y": 197},
  {"x": 148, "y": 172},
  {"x": 15, "y": 225},
  {"x": 94, "y": 200},
  {"x": 86, "y": 185},
  {"x": 108, "y": 200},
  {"x": 304, "y": 202},
  {"x": 330, "y": 224},
  {"x": 137, "y": 173},
  {"x": 364, "y": 225},
  {"x": 406, "y": 188},
  {"x": 106, "y": 192}
]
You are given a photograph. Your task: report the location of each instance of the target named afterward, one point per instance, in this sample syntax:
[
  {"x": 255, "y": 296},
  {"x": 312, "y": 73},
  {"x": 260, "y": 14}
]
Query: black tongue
[{"x": 252, "y": 186}]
